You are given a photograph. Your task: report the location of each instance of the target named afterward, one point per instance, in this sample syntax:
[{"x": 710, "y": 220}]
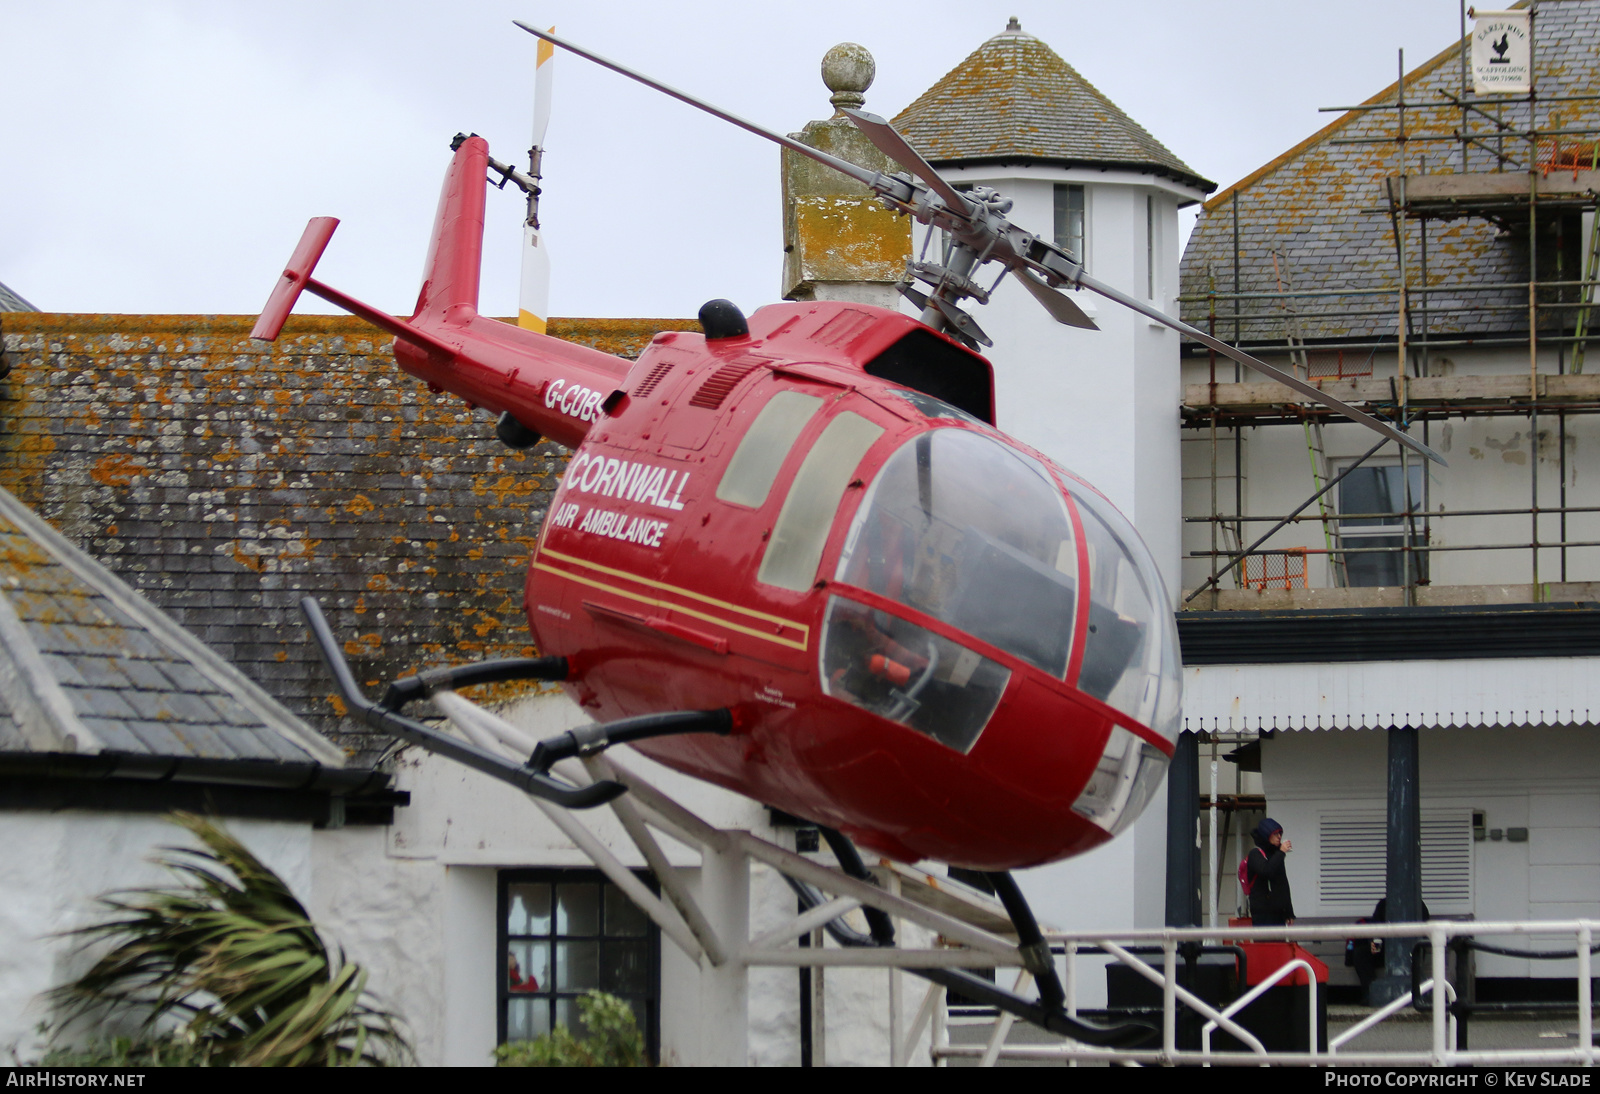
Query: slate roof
[
  {"x": 1013, "y": 100},
  {"x": 10, "y": 301},
  {"x": 1323, "y": 207},
  {"x": 224, "y": 479},
  {"x": 88, "y": 666}
]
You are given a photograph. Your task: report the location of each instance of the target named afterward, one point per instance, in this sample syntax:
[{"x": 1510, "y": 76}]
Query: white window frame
[{"x": 1354, "y": 535}]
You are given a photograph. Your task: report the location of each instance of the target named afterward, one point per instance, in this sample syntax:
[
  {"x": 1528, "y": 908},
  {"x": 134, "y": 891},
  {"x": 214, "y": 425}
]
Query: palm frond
[{"x": 233, "y": 953}]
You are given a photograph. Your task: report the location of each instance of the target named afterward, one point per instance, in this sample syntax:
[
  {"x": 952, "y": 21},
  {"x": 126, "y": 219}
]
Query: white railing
[
  {"x": 1571, "y": 936},
  {"x": 1382, "y": 1013},
  {"x": 1288, "y": 968}
]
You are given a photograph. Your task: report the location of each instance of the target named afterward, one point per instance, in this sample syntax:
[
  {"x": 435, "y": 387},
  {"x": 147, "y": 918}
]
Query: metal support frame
[{"x": 710, "y": 923}]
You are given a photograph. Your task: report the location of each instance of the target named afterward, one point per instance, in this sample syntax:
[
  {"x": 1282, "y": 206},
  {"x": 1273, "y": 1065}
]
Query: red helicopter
[{"x": 795, "y": 557}]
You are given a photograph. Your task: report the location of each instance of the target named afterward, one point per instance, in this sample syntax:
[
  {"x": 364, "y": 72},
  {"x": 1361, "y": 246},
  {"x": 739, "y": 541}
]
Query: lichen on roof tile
[
  {"x": 1015, "y": 99},
  {"x": 127, "y": 675}
]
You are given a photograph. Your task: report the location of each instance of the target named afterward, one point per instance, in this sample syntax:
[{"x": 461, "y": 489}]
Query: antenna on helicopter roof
[{"x": 977, "y": 233}]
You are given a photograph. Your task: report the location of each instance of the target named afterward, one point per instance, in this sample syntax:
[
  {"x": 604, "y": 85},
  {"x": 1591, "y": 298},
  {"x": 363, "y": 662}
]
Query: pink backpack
[{"x": 1246, "y": 882}]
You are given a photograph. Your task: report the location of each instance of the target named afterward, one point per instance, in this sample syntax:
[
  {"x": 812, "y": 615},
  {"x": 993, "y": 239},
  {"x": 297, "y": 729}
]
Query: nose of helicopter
[{"x": 971, "y": 568}]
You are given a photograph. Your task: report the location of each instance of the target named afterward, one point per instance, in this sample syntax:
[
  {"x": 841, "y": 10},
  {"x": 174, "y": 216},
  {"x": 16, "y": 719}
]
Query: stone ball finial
[
  {"x": 848, "y": 70},
  {"x": 1013, "y": 26}
]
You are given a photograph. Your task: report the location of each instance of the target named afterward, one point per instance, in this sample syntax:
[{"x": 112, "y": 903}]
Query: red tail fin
[{"x": 455, "y": 255}]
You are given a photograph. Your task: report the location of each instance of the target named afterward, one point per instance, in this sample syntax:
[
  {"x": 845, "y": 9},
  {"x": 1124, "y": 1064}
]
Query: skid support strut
[{"x": 530, "y": 776}]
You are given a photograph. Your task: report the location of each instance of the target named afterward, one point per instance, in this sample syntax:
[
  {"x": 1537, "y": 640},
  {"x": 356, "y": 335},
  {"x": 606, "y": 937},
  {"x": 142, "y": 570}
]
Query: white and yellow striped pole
[{"x": 534, "y": 310}]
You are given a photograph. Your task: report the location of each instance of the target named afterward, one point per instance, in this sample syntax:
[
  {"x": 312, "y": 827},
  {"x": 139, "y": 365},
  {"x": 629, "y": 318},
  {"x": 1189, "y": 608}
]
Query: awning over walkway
[{"x": 1522, "y": 691}]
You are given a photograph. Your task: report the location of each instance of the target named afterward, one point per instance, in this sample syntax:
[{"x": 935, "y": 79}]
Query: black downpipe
[
  {"x": 807, "y": 1004},
  {"x": 1403, "y": 876},
  {"x": 1183, "y": 820}
]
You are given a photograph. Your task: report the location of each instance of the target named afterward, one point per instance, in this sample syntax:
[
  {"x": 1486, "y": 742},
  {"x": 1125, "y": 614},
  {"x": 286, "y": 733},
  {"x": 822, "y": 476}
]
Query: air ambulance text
[{"x": 603, "y": 522}]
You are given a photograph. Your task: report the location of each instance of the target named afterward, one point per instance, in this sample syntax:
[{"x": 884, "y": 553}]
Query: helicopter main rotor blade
[
  {"x": 1062, "y": 308},
  {"x": 870, "y": 178},
  {"x": 1288, "y": 379},
  {"x": 888, "y": 140}
]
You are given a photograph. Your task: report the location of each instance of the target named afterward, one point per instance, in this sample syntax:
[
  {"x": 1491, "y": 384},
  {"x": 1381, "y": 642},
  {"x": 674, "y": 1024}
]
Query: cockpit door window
[
  {"x": 1129, "y": 658},
  {"x": 766, "y": 444},
  {"x": 801, "y": 531}
]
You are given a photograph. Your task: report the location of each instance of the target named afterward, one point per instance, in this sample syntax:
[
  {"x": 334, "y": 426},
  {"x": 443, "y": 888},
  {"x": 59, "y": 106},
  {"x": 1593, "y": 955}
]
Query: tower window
[
  {"x": 1069, "y": 219},
  {"x": 1150, "y": 246}
]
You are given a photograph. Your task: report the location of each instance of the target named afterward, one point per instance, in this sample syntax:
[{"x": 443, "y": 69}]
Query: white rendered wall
[
  {"x": 59, "y": 863},
  {"x": 1546, "y": 779}
]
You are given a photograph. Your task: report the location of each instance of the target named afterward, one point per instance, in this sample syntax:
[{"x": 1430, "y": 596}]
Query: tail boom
[{"x": 552, "y": 387}]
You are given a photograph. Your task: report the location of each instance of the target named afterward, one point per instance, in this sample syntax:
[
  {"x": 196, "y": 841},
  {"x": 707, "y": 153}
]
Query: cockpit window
[
  {"x": 930, "y": 407},
  {"x": 966, "y": 529},
  {"x": 801, "y": 531},
  {"x": 760, "y": 455},
  {"x": 1130, "y": 650},
  {"x": 905, "y": 673}
]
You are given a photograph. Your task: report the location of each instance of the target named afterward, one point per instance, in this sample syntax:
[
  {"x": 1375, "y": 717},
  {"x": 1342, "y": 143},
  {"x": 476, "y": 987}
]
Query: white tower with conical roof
[
  {"x": 1015, "y": 116},
  {"x": 1105, "y": 403}
]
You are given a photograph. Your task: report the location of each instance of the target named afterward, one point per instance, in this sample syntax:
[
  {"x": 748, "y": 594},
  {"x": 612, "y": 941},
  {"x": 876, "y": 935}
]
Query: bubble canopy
[{"x": 962, "y": 527}]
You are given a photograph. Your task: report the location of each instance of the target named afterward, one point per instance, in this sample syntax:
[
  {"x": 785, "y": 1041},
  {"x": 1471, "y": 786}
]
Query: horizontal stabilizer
[{"x": 312, "y": 243}]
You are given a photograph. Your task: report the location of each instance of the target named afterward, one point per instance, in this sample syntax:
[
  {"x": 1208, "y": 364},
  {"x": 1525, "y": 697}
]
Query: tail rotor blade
[
  {"x": 1061, "y": 307},
  {"x": 889, "y": 141}
]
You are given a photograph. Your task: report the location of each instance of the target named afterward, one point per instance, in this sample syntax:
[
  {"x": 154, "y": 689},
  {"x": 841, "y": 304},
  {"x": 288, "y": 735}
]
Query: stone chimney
[{"x": 838, "y": 242}]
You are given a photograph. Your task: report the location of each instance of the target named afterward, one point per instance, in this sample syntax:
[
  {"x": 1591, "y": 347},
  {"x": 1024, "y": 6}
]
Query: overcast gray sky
[{"x": 164, "y": 155}]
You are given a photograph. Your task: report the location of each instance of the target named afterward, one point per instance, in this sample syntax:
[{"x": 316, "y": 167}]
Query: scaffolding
[{"x": 1487, "y": 205}]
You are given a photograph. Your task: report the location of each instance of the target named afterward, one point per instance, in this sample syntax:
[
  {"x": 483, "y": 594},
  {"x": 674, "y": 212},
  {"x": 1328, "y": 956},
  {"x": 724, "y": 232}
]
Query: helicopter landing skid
[
  {"x": 1048, "y": 1012},
  {"x": 533, "y": 776}
]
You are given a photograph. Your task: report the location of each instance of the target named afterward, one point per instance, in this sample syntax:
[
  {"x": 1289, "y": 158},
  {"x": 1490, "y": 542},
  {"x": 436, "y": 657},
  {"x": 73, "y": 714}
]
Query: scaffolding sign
[{"x": 1502, "y": 52}]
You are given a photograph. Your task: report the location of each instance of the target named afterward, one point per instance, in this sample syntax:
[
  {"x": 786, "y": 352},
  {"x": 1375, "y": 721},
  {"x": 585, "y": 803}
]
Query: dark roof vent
[
  {"x": 656, "y": 374},
  {"x": 717, "y": 386},
  {"x": 723, "y": 319}
]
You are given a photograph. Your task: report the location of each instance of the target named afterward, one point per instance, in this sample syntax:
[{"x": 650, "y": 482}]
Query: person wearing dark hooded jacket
[{"x": 1270, "y": 902}]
